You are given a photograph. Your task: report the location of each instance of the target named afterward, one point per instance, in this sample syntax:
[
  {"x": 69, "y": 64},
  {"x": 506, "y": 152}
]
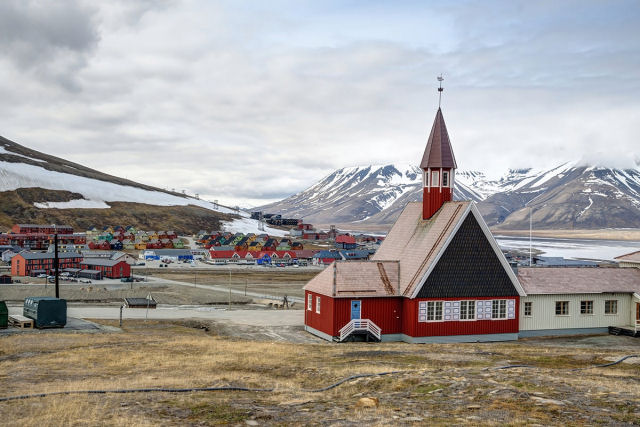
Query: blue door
[{"x": 355, "y": 309}]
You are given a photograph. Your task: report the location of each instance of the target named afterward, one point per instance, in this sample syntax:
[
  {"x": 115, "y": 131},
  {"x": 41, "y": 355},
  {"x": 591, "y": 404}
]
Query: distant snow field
[
  {"x": 247, "y": 225},
  {"x": 96, "y": 193}
]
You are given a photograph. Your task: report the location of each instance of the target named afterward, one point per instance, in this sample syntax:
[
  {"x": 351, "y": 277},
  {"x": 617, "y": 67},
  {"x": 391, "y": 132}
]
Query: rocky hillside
[
  {"x": 566, "y": 197},
  {"x": 39, "y": 188}
]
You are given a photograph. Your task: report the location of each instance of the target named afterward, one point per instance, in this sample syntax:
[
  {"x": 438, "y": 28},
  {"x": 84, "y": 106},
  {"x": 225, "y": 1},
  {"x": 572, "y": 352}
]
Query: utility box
[
  {"x": 4, "y": 315},
  {"x": 46, "y": 312}
]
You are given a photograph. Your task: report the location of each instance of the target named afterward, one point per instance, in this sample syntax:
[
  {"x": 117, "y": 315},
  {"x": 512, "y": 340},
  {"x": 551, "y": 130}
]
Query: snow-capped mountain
[
  {"x": 65, "y": 185},
  {"x": 567, "y": 196},
  {"x": 373, "y": 194}
]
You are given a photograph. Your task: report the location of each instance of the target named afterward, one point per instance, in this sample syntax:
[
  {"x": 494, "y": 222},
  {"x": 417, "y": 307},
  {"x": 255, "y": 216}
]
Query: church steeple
[{"x": 438, "y": 165}]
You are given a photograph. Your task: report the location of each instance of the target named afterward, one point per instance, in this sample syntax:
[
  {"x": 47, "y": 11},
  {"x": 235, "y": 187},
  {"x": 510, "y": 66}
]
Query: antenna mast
[{"x": 440, "y": 89}]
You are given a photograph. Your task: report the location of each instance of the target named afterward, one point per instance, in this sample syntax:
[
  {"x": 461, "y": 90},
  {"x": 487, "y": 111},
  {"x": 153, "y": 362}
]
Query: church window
[
  {"x": 445, "y": 179},
  {"x": 467, "y": 310},
  {"x": 434, "y": 311},
  {"x": 499, "y": 309},
  {"x": 435, "y": 178}
]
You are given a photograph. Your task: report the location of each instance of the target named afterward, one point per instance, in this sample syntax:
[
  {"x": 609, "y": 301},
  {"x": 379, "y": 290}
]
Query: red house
[
  {"x": 439, "y": 276},
  {"x": 109, "y": 268}
]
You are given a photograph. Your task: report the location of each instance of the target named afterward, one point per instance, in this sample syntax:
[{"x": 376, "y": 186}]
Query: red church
[{"x": 439, "y": 276}]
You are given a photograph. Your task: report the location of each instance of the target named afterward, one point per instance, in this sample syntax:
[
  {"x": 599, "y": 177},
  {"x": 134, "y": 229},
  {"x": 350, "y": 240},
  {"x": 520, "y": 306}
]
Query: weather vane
[{"x": 440, "y": 89}]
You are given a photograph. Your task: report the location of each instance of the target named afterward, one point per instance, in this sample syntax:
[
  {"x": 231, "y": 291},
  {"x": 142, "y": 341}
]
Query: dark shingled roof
[
  {"x": 49, "y": 255},
  {"x": 438, "y": 153}
]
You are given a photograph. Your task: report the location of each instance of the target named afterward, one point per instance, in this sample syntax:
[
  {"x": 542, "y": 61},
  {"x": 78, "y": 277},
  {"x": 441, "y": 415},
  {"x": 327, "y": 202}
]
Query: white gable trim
[
  {"x": 492, "y": 241},
  {"x": 414, "y": 294}
]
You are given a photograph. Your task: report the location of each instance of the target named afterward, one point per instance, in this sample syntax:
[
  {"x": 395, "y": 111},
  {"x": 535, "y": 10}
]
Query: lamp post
[
  {"x": 55, "y": 259},
  {"x": 530, "y": 232}
]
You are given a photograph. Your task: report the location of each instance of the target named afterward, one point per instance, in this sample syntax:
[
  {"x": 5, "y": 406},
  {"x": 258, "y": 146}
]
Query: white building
[
  {"x": 566, "y": 300},
  {"x": 629, "y": 260}
]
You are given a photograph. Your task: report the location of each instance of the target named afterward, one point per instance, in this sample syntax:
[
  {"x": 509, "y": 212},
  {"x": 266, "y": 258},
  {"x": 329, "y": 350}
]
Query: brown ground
[
  {"x": 433, "y": 384},
  {"x": 273, "y": 281}
]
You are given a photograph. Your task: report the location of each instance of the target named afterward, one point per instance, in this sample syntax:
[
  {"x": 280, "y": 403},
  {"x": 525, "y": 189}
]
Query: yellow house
[
  {"x": 255, "y": 246},
  {"x": 153, "y": 235},
  {"x": 140, "y": 245}
]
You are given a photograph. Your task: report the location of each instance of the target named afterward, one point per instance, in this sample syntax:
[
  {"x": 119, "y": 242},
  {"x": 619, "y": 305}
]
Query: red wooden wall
[
  {"x": 386, "y": 312},
  {"x": 433, "y": 200},
  {"x": 413, "y": 328},
  {"x": 395, "y": 315},
  {"x": 323, "y": 321}
]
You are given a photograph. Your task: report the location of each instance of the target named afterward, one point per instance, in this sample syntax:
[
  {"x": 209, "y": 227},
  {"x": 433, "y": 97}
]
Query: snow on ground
[
  {"x": 247, "y": 225},
  {"x": 97, "y": 193},
  {"x": 73, "y": 204}
]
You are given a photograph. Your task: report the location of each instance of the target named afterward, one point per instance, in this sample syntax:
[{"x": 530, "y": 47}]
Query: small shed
[{"x": 140, "y": 303}]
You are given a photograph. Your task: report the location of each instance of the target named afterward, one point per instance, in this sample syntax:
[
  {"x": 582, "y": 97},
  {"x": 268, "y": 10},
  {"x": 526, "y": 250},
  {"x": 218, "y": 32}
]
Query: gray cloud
[
  {"x": 51, "y": 40},
  {"x": 244, "y": 104}
]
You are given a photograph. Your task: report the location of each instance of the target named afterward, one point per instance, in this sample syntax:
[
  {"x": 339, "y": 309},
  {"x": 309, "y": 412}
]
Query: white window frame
[
  {"x": 613, "y": 303},
  {"x": 527, "y": 304},
  {"x": 467, "y": 314},
  {"x": 435, "y": 182},
  {"x": 309, "y": 302},
  {"x": 501, "y": 309},
  {"x": 434, "y": 305},
  {"x": 585, "y": 305},
  {"x": 318, "y": 305},
  {"x": 445, "y": 174},
  {"x": 556, "y": 308}
]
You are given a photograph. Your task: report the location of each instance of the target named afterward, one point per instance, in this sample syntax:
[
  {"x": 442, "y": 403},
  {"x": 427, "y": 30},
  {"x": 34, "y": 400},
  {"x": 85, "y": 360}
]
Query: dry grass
[{"x": 440, "y": 383}]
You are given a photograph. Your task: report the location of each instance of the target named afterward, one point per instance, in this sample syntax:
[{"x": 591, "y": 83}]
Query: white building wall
[
  {"x": 544, "y": 312},
  {"x": 629, "y": 264}
]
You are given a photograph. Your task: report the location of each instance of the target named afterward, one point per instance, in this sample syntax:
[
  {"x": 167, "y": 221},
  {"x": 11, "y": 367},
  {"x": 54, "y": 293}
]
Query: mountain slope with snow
[
  {"x": 565, "y": 197},
  {"x": 370, "y": 194},
  {"x": 21, "y": 168}
]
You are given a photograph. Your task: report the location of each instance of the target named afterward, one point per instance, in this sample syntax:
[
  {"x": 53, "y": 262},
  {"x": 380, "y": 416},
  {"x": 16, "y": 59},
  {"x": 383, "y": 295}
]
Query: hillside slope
[{"x": 40, "y": 188}]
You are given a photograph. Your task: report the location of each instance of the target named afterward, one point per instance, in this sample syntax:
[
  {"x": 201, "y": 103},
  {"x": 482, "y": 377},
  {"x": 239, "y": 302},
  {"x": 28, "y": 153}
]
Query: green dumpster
[
  {"x": 46, "y": 312},
  {"x": 4, "y": 315}
]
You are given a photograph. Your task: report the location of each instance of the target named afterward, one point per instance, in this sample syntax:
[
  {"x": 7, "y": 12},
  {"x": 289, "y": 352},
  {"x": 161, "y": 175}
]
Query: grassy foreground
[{"x": 438, "y": 384}]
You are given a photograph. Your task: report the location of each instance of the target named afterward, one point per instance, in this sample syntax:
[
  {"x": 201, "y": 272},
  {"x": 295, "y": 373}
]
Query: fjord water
[{"x": 590, "y": 249}]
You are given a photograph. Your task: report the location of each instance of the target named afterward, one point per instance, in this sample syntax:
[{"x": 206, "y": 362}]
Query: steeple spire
[
  {"x": 438, "y": 165},
  {"x": 440, "y": 89}
]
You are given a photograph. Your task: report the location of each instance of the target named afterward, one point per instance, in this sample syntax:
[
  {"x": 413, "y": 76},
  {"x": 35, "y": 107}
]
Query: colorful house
[
  {"x": 31, "y": 263},
  {"x": 439, "y": 276},
  {"x": 113, "y": 269}
]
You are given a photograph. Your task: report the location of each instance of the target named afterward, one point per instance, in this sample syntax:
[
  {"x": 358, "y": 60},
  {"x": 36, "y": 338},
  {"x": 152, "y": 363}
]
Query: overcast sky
[{"x": 248, "y": 102}]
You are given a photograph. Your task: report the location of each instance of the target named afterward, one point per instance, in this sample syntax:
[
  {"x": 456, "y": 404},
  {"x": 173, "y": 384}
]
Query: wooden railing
[{"x": 360, "y": 325}]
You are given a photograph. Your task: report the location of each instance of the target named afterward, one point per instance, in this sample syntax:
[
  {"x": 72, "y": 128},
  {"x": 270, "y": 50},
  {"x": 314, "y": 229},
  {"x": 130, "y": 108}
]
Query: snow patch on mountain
[{"x": 96, "y": 193}]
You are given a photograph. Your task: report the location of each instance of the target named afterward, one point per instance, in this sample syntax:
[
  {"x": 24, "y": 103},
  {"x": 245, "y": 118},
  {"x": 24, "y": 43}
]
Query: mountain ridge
[{"x": 374, "y": 195}]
